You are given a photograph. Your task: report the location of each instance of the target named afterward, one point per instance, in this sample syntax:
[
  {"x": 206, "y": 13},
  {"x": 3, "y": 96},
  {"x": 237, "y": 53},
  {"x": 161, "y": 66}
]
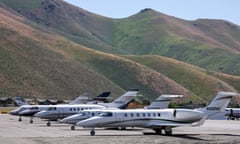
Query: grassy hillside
[
  {"x": 229, "y": 35},
  {"x": 210, "y": 44},
  {"x": 230, "y": 79},
  {"x": 150, "y": 32},
  {"x": 195, "y": 79},
  {"x": 74, "y": 23},
  {"x": 44, "y": 53},
  {"x": 41, "y": 64},
  {"x": 32, "y": 65}
]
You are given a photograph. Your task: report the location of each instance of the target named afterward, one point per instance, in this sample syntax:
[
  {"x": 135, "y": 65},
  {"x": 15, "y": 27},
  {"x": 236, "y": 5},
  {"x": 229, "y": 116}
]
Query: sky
[{"x": 185, "y": 9}]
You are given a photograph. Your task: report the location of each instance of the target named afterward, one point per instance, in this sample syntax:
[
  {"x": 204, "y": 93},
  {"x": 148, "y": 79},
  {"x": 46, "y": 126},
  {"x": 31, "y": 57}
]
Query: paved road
[{"x": 14, "y": 132}]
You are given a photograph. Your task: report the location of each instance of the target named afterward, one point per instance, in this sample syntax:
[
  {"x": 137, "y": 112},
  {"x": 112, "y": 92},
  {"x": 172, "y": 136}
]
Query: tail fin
[
  {"x": 163, "y": 101},
  {"x": 103, "y": 97},
  {"x": 104, "y": 94},
  {"x": 122, "y": 101},
  {"x": 19, "y": 101},
  {"x": 80, "y": 99},
  {"x": 219, "y": 103}
]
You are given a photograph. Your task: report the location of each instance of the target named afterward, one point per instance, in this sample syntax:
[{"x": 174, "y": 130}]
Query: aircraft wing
[{"x": 167, "y": 124}]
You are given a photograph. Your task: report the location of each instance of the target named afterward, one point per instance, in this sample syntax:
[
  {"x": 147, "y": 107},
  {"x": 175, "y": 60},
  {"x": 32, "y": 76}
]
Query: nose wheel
[
  {"x": 73, "y": 127},
  {"x": 31, "y": 120},
  {"x": 92, "y": 132},
  {"x": 20, "y": 119}
]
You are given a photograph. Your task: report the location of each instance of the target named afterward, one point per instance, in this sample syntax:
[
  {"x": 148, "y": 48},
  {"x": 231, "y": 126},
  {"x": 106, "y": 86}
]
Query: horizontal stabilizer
[{"x": 163, "y": 101}]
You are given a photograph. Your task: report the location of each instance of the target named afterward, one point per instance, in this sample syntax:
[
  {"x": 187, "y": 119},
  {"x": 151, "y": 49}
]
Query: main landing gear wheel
[
  {"x": 20, "y": 119},
  {"x": 48, "y": 123},
  {"x": 158, "y": 131},
  {"x": 168, "y": 131},
  {"x": 73, "y": 128},
  {"x": 92, "y": 132}
]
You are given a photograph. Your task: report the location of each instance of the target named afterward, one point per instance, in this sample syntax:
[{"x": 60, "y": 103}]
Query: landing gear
[
  {"x": 31, "y": 120},
  {"x": 123, "y": 128},
  {"x": 168, "y": 131},
  {"x": 92, "y": 132},
  {"x": 158, "y": 131},
  {"x": 73, "y": 127},
  {"x": 20, "y": 119},
  {"x": 48, "y": 123}
]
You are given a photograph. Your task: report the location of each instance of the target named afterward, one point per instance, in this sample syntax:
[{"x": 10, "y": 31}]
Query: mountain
[
  {"x": 197, "y": 80},
  {"x": 46, "y": 65},
  {"x": 210, "y": 44},
  {"x": 34, "y": 64},
  {"x": 51, "y": 49}
]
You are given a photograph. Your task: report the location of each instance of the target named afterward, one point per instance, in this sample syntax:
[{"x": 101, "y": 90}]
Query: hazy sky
[{"x": 185, "y": 9}]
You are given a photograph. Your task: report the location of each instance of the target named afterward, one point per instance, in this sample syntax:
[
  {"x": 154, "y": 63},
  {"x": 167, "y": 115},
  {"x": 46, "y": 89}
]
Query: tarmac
[{"x": 14, "y": 132}]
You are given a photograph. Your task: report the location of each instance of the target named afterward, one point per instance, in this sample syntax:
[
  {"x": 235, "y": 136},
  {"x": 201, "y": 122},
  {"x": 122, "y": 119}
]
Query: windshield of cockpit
[
  {"x": 106, "y": 114},
  {"x": 34, "y": 108}
]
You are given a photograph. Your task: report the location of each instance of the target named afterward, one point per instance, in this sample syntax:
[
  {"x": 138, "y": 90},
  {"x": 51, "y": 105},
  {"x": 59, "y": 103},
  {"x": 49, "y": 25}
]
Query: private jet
[
  {"x": 158, "y": 120},
  {"x": 232, "y": 113},
  {"x": 160, "y": 103},
  {"x": 59, "y": 112},
  {"x": 30, "y": 110}
]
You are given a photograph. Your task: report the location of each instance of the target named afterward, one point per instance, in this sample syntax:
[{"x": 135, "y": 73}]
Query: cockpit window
[
  {"x": 85, "y": 113},
  {"x": 52, "y": 108},
  {"x": 106, "y": 114},
  {"x": 34, "y": 108},
  {"x": 21, "y": 109},
  {"x": 82, "y": 113}
]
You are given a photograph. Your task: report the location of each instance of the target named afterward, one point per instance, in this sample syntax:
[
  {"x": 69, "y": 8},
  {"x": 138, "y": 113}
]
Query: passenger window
[
  {"x": 74, "y": 109},
  {"x": 131, "y": 114},
  {"x": 70, "y": 109},
  {"x": 137, "y": 114},
  {"x": 125, "y": 115},
  {"x": 143, "y": 115},
  {"x": 154, "y": 114},
  {"x": 159, "y": 114},
  {"x": 149, "y": 114}
]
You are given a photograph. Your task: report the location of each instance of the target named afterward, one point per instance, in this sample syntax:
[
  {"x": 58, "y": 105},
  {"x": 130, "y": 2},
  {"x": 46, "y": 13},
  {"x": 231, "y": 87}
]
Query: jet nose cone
[
  {"x": 40, "y": 114},
  {"x": 72, "y": 119},
  {"x": 65, "y": 120},
  {"x": 85, "y": 123},
  {"x": 82, "y": 123},
  {"x": 13, "y": 112},
  {"x": 90, "y": 122}
]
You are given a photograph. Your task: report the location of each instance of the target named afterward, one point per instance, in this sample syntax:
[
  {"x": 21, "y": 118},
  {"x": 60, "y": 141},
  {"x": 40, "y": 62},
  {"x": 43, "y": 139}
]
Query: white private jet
[
  {"x": 30, "y": 110},
  {"x": 160, "y": 103},
  {"x": 158, "y": 120},
  {"x": 228, "y": 114},
  {"x": 60, "y": 112},
  {"x": 232, "y": 113}
]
